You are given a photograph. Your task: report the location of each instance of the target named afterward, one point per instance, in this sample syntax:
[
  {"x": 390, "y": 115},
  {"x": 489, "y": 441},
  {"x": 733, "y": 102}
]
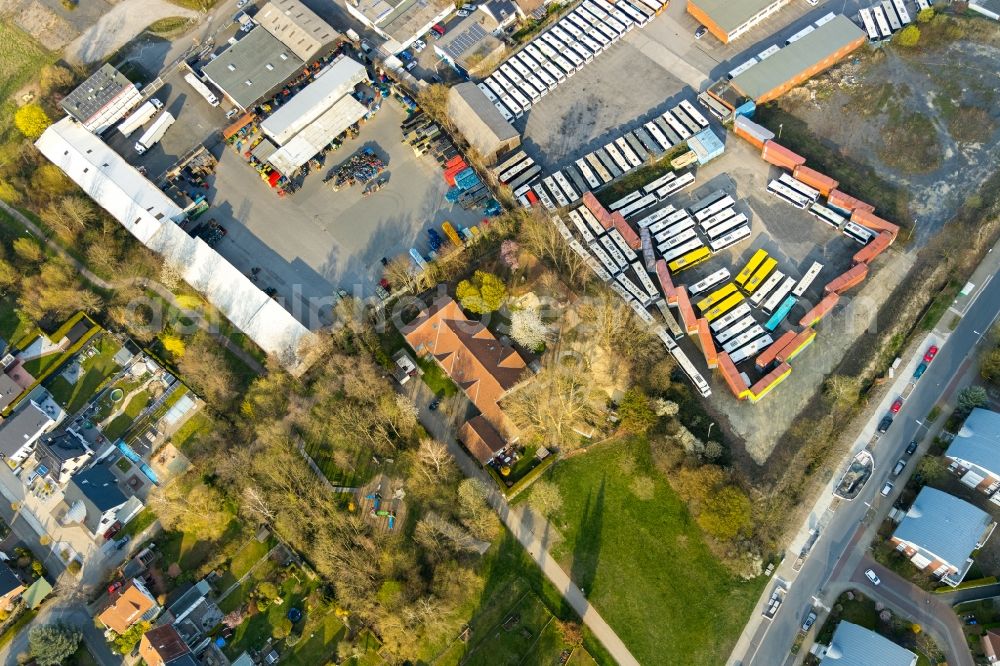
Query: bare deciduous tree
[{"x": 436, "y": 463}]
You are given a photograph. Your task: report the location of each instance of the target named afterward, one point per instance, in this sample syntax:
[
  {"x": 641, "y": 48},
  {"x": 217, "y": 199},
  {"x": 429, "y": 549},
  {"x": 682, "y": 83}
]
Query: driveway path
[
  {"x": 152, "y": 285},
  {"x": 533, "y": 532},
  {"x": 125, "y": 21}
]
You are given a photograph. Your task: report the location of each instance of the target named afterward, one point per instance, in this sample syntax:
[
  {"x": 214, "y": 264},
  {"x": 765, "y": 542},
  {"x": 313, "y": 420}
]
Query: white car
[
  {"x": 155, "y": 102},
  {"x": 886, "y": 489},
  {"x": 242, "y": 3},
  {"x": 419, "y": 45},
  {"x": 410, "y": 65},
  {"x": 462, "y": 12},
  {"x": 870, "y": 575},
  {"x": 813, "y": 2}
]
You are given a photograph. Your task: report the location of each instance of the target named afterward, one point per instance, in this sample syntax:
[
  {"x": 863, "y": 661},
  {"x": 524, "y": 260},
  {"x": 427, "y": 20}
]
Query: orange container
[
  {"x": 838, "y": 199},
  {"x": 868, "y": 253},
  {"x": 849, "y": 278},
  {"x": 626, "y": 230},
  {"x": 776, "y": 154},
  {"x": 821, "y": 310},
  {"x": 599, "y": 211},
  {"x": 666, "y": 284},
  {"x": 766, "y": 357},
  {"x": 688, "y": 319},
  {"x": 732, "y": 376},
  {"x": 815, "y": 179},
  {"x": 707, "y": 344},
  {"x": 874, "y": 222}
]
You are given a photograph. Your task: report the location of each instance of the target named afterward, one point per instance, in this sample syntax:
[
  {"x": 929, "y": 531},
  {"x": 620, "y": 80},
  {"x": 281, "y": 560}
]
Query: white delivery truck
[{"x": 154, "y": 133}]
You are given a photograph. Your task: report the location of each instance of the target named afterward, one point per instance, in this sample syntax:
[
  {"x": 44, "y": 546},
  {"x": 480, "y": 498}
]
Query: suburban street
[{"x": 837, "y": 559}]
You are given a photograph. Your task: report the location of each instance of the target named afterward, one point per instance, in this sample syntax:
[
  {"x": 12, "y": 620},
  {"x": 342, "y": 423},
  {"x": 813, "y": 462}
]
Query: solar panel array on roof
[{"x": 465, "y": 41}]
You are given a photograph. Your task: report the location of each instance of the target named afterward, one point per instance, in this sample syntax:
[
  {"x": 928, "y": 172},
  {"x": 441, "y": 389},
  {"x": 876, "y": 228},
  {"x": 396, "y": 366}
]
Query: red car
[
  {"x": 115, "y": 586},
  {"x": 931, "y": 353},
  {"x": 896, "y": 406}
]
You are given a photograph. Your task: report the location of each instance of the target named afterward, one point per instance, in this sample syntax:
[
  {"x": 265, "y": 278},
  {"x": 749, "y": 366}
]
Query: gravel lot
[{"x": 115, "y": 28}]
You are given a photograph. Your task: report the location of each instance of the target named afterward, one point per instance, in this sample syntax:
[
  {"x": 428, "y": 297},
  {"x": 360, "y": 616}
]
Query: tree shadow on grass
[{"x": 587, "y": 550}]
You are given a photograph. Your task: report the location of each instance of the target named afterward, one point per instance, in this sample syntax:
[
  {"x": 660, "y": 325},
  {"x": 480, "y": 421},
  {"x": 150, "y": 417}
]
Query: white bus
[
  {"x": 201, "y": 88},
  {"x": 738, "y": 327},
  {"x": 595, "y": 9},
  {"x": 676, "y": 240},
  {"x": 681, "y": 250},
  {"x": 807, "y": 279},
  {"x": 751, "y": 349},
  {"x": 654, "y": 221},
  {"x": 625, "y": 200},
  {"x": 493, "y": 84},
  {"x": 507, "y": 115},
  {"x": 486, "y": 91},
  {"x": 658, "y": 135},
  {"x": 591, "y": 221},
  {"x": 555, "y": 191},
  {"x": 726, "y": 226},
  {"x": 821, "y": 212},
  {"x": 581, "y": 226},
  {"x": 543, "y": 75},
  {"x": 666, "y": 128},
  {"x": 565, "y": 65},
  {"x": 508, "y": 175},
  {"x": 612, "y": 248},
  {"x": 901, "y": 11},
  {"x": 514, "y": 107},
  {"x": 890, "y": 16},
  {"x": 639, "y": 18},
  {"x": 554, "y": 71},
  {"x": 772, "y": 281},
  {"x": 622, "y": 18},
  {"x": 732, "y": 238},
  {"x": 570, "y": 191},
  {"x": 858, "y": 233},
  {"x": 788, "y": 194},
  {"x": 627, "y": 152},
  {"x": 799, "y": 186},
  {"x": 654, "y": 185},
  {"x": 525, "y": 178},
  {"x": 768, "y": 52},
  {"x": 588, "y": 174},
  {"x": 575, "y": 179},
  {"x": 743, "y": 338},
  {"x": 617, "y": 157},
  {"x": 712, "y": 204},
  {"x": 670, "y": 232},
  {"x": 616, "y": 26},
  {"x": 881, "y": 22},
  {"x": 631, "y": 287},
  {"x": 647, "y": 283},
  {"x": 573, "y": 52},
  {"x": 684, "y": 180},
  {"x": 639, "y": 205},
  {"x": 694, "y": 113},
  {"x": 723, "y": 322},
  {"x": 543, "y": 196},
  {"x": 520, "y": 97},
  {"x": 869, "y": 23},
  {"x": 569, "y": 27},
  {"x": 800, "y": 34},
  {"x": 604, "y": 258},
  {"x": 535, "y": 53},
  {"x": 691, "y": 125},
  {"x": 823, "y": 20},
  {"x": 595, "y": 47},
  {"x": 598, "y": 166},
  {"x": 655, "y": 5},
  {"x": 678, "y": 127},
  {"x": 779, "y": 296},
  {"x": 733, "y": 73},
  {"x": 718, "y": 218},
  {"x": 623, "y": 247},
  {"x": 688, "y": 367},
  {"x": 718, "y": 277}
]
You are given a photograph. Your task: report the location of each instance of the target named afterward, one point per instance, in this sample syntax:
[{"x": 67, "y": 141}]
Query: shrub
[
  {"x": 31, "y": 120},
  {"x": 909, "y": 36},
  {"x": 282, "y": 628},
  {"x": 484, "y": 293},
  {"x": 75, "y": 567},
  {"x": 52, "y": 644},
  {"x": 925, "y": 15}
]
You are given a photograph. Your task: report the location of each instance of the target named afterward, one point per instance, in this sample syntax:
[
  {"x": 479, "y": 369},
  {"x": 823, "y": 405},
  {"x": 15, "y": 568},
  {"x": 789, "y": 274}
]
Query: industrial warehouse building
[
  {"x": 470, "y": 46},
  {"x": 788, "y": 67},
  {"x": 152, "y": 217},
  {"x": 102, "y": 100},
  {"x": 480, "y": 122},
  {"x": 297, "y": 27},
  {"x": 728, "y": 19},
  {"x": 940, "y": 532},
  {"x": 399, "y": 21},
  {"x": 252, "y": 68}
]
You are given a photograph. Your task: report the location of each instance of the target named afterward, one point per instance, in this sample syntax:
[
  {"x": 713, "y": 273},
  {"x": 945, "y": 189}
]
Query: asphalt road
[{"x": 837, "y": 549}]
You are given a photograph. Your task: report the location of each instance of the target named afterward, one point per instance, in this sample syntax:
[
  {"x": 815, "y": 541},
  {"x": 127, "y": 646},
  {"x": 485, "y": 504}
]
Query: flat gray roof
[
  {"x": 943, "y": 525},
  {"x": 297, "y": 26},
  {"x": 797, "y": 57},
  {"x": 477, "y": 118},
  {"x": 258, "y": 58},
  {"x": 731, "y": 14}
]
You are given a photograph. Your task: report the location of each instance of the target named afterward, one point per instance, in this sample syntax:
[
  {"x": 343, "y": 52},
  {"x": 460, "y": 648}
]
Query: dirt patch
[
  {"x": 971, "y": 125},
  {"x": 119, "y": 26},
  {"x": 911, "y": 143},
  {"x": 42, "y": 23}
]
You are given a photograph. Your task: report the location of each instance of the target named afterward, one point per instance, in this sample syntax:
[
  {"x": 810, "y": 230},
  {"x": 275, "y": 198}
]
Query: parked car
[
  {"x": 405, "y": 56},
  {"x": 911, "y": 448},
  {"x": 155, "y": 102},
  {"x": 435, "y": 403},
  {"x": 121, "y": 543},
  {"x": 886, "y": 489},
  {"x": 931, "y": 353},
  {"x": 898, "y": 469},
  {"x": 366, "y": 47},
  {"x": 410, "y": 65},
  {"x": 439, "y": 29},
  {"x": 884, "y": 424},
  {"x": 242, "y": 3},
  {"x": 870, "y": 575},
  {"x": 469, "y": 7},
  {"x": 700, "y": 32},
  {"x": 813, "y": 3},
  {"x": 896, "y": 406},
  {"x": 419, "y": 45},
  {"x": 232, "y": 113},
  {"x": 115, "y": 586},
  {"x": 463, "y": 13},
  {"x": 810, "y": 619},
  {"x": 921, "y": 369},
  {"x": 112, "y": 531}
]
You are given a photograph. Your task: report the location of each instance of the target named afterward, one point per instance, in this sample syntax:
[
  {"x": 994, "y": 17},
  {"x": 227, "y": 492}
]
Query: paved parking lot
[{"x": 316, "y": 240}]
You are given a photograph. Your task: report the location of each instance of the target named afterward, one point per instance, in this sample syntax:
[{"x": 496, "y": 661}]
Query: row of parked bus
[
  {"x": 885, "y": 18},
  {"x": 555, "y": 55},
  {"x": 793, "y": 191},
  {"x": 598, "y": 168}
]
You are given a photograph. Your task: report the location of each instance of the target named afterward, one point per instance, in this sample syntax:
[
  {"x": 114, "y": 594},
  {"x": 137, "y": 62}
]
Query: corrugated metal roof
[
  {"x": 318, "y": 135},
  {"x": 477, "y": 118},
  {"x": 943, "y": 525},
  {"x": 978, "y": 441},
  {"x": 853, "y": 645},
  {"x": 797, "y": 57},
  {"x": 296, "y": 26},
  {"x": 731, "y": 14},
  {"x": 335, "y": 81}
]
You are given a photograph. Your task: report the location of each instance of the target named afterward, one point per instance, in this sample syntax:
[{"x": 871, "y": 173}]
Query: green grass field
[
  {"x": 121, "y": 423},
  {"x": 21, "y": 58},
  {"x": 96, "y": 370},
  {"x": 643, "y": 564}
]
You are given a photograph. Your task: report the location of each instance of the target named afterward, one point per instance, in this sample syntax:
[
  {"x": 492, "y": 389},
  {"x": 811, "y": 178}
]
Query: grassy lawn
[
  {"x": 96, "y": 369},
  {"x": 619, "y": 549},
  {"x": 143, "y": 519},
  {"x": 22, "y": 58},
  {"x": 121, "y": 423},
  {"x": 15, "y": 328},
  {"x": 436, "y": 378},
  {"x": 190, "y": 552},
  {"x": 243, "y": 561},
  {"x": 37, "y": 367},
  {"x": 361, "y": 471},
  {"x": 82, "y": 657},
  {"x": 192, "y": 430}
]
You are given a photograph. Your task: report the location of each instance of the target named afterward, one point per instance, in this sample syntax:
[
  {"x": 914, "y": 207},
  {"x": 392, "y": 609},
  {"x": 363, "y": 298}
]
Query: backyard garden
[{"x": 76, "y": 385}]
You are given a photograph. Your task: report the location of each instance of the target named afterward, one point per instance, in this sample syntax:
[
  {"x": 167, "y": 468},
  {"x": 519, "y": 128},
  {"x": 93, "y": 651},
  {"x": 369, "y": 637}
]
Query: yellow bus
[
  {"x": 751, "y": 266},
  {"x": 692, "y": 258},
  {"x": 715, "y": 296},
  {"x": 724, "y": 307},
  {"x": 761, "y": 274}
]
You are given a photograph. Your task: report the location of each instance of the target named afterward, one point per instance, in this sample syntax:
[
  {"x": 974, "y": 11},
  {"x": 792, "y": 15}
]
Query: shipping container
[
  {"x": 802, "y": 340},
  {"x": 769, "y": 382},
  {"x": 626, "y": 230},
  {"x": 756, "y": 134},
  {"x": 819, "y": 181},
  {"x": 688, "y": 320},
  {"x": 732, "y": 377},
  {"x": 876, "y": 247},
  {"x": 707, "y": 344},
  {"x": 665, "y": 282},
  {"x": 820, "y": 310},
  {"x": 846, "y": 203},
  {"x": 776, "y": 154},
  {"x": 849, "y": 278},
  {"x": 768, "y": 356},
  {"x": 874, "y": 222}
]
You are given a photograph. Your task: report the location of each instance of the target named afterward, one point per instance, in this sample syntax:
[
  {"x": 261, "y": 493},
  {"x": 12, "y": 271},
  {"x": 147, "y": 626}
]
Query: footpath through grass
[{"x": 643, "y": 563}]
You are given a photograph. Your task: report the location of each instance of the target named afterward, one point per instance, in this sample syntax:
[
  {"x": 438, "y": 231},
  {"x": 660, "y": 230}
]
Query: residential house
[
  {"x": 481, "y": 439},
  {"x": 10, "y": 390},
  {"x": 991, "y": 645},
  {"x": 193, "y": 615},
  {"x": 503, "y": 12},
  {"x": 95, "y": 501},
  {"x": 163, "y": 646},
  {"x": 20, "y": 432},
  {"x": 11, "y": 587},
  {"x": 62, "y": 455},
  {"x": 974, "y": 453},
  {"x": 482, "y": 366},
  {"x": 133, "y": 603},
  {"x": 853, "y": 645},
  {"x": 940, "y": 532}
]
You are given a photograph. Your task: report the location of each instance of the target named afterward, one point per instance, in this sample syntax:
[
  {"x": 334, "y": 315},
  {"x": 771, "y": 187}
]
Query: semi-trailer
[
  {"x": 201, "y": 88},
  {"x": 155, "y": 132},
  {"x": 140, "y": 117}
]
